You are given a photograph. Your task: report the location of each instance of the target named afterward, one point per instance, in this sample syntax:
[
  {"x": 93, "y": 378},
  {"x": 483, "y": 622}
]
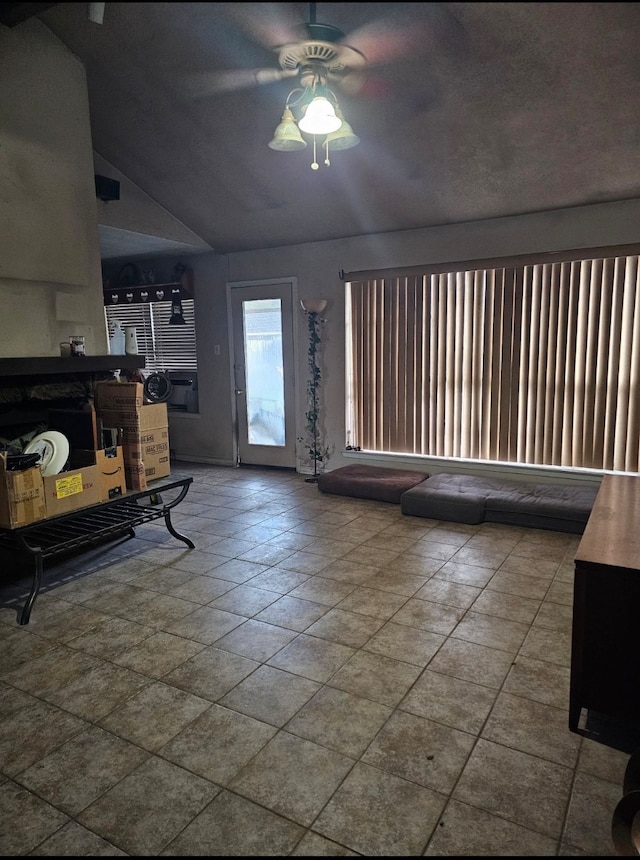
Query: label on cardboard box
[
  {"x": 119, "y": 395},
  {"x": 71, "y": 490},
  {"x": 68, "y": 486}
]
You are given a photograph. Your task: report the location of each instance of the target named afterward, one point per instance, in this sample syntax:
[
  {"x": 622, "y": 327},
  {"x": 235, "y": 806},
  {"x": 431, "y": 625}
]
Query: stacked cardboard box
[{"x": 143, "y": 429}]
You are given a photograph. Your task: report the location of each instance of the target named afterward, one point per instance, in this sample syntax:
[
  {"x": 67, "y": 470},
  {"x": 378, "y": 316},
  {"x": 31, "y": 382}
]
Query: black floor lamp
[{"x": 313, "y": 308}]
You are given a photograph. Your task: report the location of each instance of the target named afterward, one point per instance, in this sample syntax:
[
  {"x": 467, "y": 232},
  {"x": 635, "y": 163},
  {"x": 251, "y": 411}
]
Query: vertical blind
[
  {"x": 166, "y": 347},
  {"x": 535, "y": 363}
]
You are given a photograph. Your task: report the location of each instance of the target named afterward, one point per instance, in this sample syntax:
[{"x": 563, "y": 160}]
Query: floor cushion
[
  {"x": 370, "y": 482},
  {"x": 476, "y": 499}
]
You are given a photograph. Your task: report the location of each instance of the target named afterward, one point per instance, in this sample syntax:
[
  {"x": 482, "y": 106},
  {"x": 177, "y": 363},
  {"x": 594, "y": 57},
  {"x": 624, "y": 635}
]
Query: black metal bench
[{"x": 93, "y": 525}]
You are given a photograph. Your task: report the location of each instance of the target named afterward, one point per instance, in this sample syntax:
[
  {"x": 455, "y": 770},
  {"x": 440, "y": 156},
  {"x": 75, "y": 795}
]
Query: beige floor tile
[
  {"x": 450, "y": 701},
  {"x": 398, "y": 581},
  {"x": 539, "y": 680},
  {"x": 158, "y": 654},
  {"x": 244, "y": 600},
  {"x": 376, "y": 677},
  {"x": 311, "y": 657},
  {"x": 314, "y": 845},
  {"x": 26, "y": 820},
  {"x": 450, "y": 593},
  {"x": 265, "y": 553},
  {"x": 551, "y": 645},
  {"x": 464, "y": 831},
  {"x": 256, "y": 639},
  {"x": 322, "y": 720},
  {"x": 492, "y": 632},
  {"x": 294, "y": 613},
  {"x": 134, "y": 814},
  {"x": 32, "y": 732},
  {"x": 110, "y": 637},
  {"x": 13, "y": 700},
  {"x": 518, "y": 584},
  {"x": 233, "y": 826},
  {"x": 376, "y": 813},
  {"x": 348, "y": 628},
  {"x": 211, "y": 673},
  {"x": 153, "y": 716},
  {"x": 279, "y": 580},
  {"x": 349, "y": 571},
  {"x": 74, "y": 840},
  {"x": 47, "y": 673},
  {"x": 237, "y": 570},
  {"x": 509, "y": 606},
  {"x": 205, "y": 624},
  {"x": 592, "y": 800},
  {"x": 271, "y": 695},
  {"x": 371, "y": 601},
  {"x": 425, "y": 615},
  {"x": 293, "y": 777},
  {"x": 401, "y": 642},
  {"x": 503, "y": 782},
  {"x": 469, "y": 661},
  {"x": 82, "y": 769},
  {"x": 532, "y": 727},
  {"x": 327, "y": 592},
  {"x": 526, "y": 565},
  {"x": 96, "y": 692},
  {"x": 554, "y": 616},
  {"x": 420, "y": 751},
  {"x": 218, "y": 743},
  {"x": 465, "y": 570}
]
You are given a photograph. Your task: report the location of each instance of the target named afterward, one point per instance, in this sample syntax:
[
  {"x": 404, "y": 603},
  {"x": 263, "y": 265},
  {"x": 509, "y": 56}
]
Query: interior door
[{"x": 263, "y": 366}]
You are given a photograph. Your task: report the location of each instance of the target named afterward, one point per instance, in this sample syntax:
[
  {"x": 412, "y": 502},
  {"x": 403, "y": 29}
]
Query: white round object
[{"x": 53, "y": 448}]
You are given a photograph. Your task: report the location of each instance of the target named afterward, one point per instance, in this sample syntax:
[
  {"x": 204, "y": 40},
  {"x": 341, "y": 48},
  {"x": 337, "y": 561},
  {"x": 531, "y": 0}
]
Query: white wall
[{"x": 50, "y": 274}]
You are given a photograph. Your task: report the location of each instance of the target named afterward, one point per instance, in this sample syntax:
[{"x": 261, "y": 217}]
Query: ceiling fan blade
[
  {"x": 408, "y": 30},
  {"x": 204, "y": 84},
  {"x": 268, "y": 24}
]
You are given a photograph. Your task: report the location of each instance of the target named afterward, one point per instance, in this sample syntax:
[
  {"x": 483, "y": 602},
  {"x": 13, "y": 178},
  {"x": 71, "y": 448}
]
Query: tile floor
[{"x": 319, "y": 676}]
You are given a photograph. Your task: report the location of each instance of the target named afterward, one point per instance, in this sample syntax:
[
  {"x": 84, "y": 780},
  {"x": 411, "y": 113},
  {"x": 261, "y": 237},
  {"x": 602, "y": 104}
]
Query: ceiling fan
[{"x": 401, "y": 32}]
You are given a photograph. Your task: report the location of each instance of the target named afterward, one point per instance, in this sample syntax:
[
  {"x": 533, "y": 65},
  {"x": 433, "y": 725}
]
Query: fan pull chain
[
  {"x": 315, "y": 164},
  {"x": 326, "y": 159}
]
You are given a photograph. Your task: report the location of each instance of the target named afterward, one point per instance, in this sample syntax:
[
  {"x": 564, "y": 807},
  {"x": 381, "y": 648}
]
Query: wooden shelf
[{"x": 42, "y": 365}]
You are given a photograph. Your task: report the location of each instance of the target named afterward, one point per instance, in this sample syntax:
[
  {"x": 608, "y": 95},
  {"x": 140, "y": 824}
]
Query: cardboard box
[
  {"x": 137, "y": 420},
  {"x": 151, "y": 449},
  {"x": 134, "y": 473},
  {"x": 141, "y": 446},
  {"x": 110, "y": 464},
  {"x": 71, "y": 490},
  {"x": 22, "y": 498},
  {"x": 113, "y": 395}
]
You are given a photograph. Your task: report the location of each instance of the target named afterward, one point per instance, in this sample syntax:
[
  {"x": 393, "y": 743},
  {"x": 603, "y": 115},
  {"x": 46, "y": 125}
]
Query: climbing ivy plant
[{"x": 316, "y": 453}]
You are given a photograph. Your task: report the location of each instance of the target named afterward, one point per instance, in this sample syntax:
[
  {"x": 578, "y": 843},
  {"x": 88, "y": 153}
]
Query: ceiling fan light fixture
[
  {"x": 319, "y": 117},
  {"x": 287, "y": 137}
]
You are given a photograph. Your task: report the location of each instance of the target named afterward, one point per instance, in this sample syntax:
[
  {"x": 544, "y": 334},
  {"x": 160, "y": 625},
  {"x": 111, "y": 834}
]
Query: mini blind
[
  {"x": 535, "y": 363},
  {"x": 166, "y": 347}
]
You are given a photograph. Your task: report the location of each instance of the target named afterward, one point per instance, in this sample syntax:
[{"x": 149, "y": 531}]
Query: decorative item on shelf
[
  {"x": 317, "y": 454},
  {"x": 177, "y": 314},
  {"x": 117, "y": 342},
  {"x": 76, "y": 342},
  {"x": 129, "y": 275},
  {"x": 131, "y": 340}
]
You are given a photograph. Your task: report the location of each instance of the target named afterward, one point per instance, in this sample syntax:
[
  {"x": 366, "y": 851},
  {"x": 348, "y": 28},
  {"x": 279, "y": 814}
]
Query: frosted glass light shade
[
  {"x": 344, "y": 137},
  {"x": 320, "y": 117},
  {"x": 287, "y": 137},
  {"x": 313, "y": 306}
]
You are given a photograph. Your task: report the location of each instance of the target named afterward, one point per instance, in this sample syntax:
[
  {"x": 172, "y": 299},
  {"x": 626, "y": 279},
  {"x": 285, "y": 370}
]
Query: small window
[{"x": 165, "y": 347}]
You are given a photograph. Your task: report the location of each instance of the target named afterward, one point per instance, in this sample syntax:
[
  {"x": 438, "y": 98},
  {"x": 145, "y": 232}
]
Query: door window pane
[{"x": 264, "y": 371}]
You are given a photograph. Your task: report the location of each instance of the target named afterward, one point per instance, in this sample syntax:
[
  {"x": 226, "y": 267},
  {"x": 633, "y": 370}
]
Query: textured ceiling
[{"x": 469, "y": 111}]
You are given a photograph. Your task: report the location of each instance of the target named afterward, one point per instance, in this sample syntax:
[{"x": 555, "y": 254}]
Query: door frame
[{"x": 267, "y": 282}]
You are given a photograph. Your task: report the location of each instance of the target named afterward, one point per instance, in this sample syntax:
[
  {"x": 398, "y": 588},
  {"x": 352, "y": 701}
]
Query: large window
[
  {"x": 166, "y": 347},
  {"x": 520, "y": 361}
]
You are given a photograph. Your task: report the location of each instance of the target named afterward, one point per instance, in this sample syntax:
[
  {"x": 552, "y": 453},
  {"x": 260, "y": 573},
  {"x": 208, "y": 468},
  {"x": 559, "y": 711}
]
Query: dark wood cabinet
[{"x": 605, "y": 648}]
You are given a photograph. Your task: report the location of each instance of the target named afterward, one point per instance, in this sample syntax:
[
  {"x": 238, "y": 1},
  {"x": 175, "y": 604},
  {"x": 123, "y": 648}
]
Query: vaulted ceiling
[{"x": 468, "y": 111}]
